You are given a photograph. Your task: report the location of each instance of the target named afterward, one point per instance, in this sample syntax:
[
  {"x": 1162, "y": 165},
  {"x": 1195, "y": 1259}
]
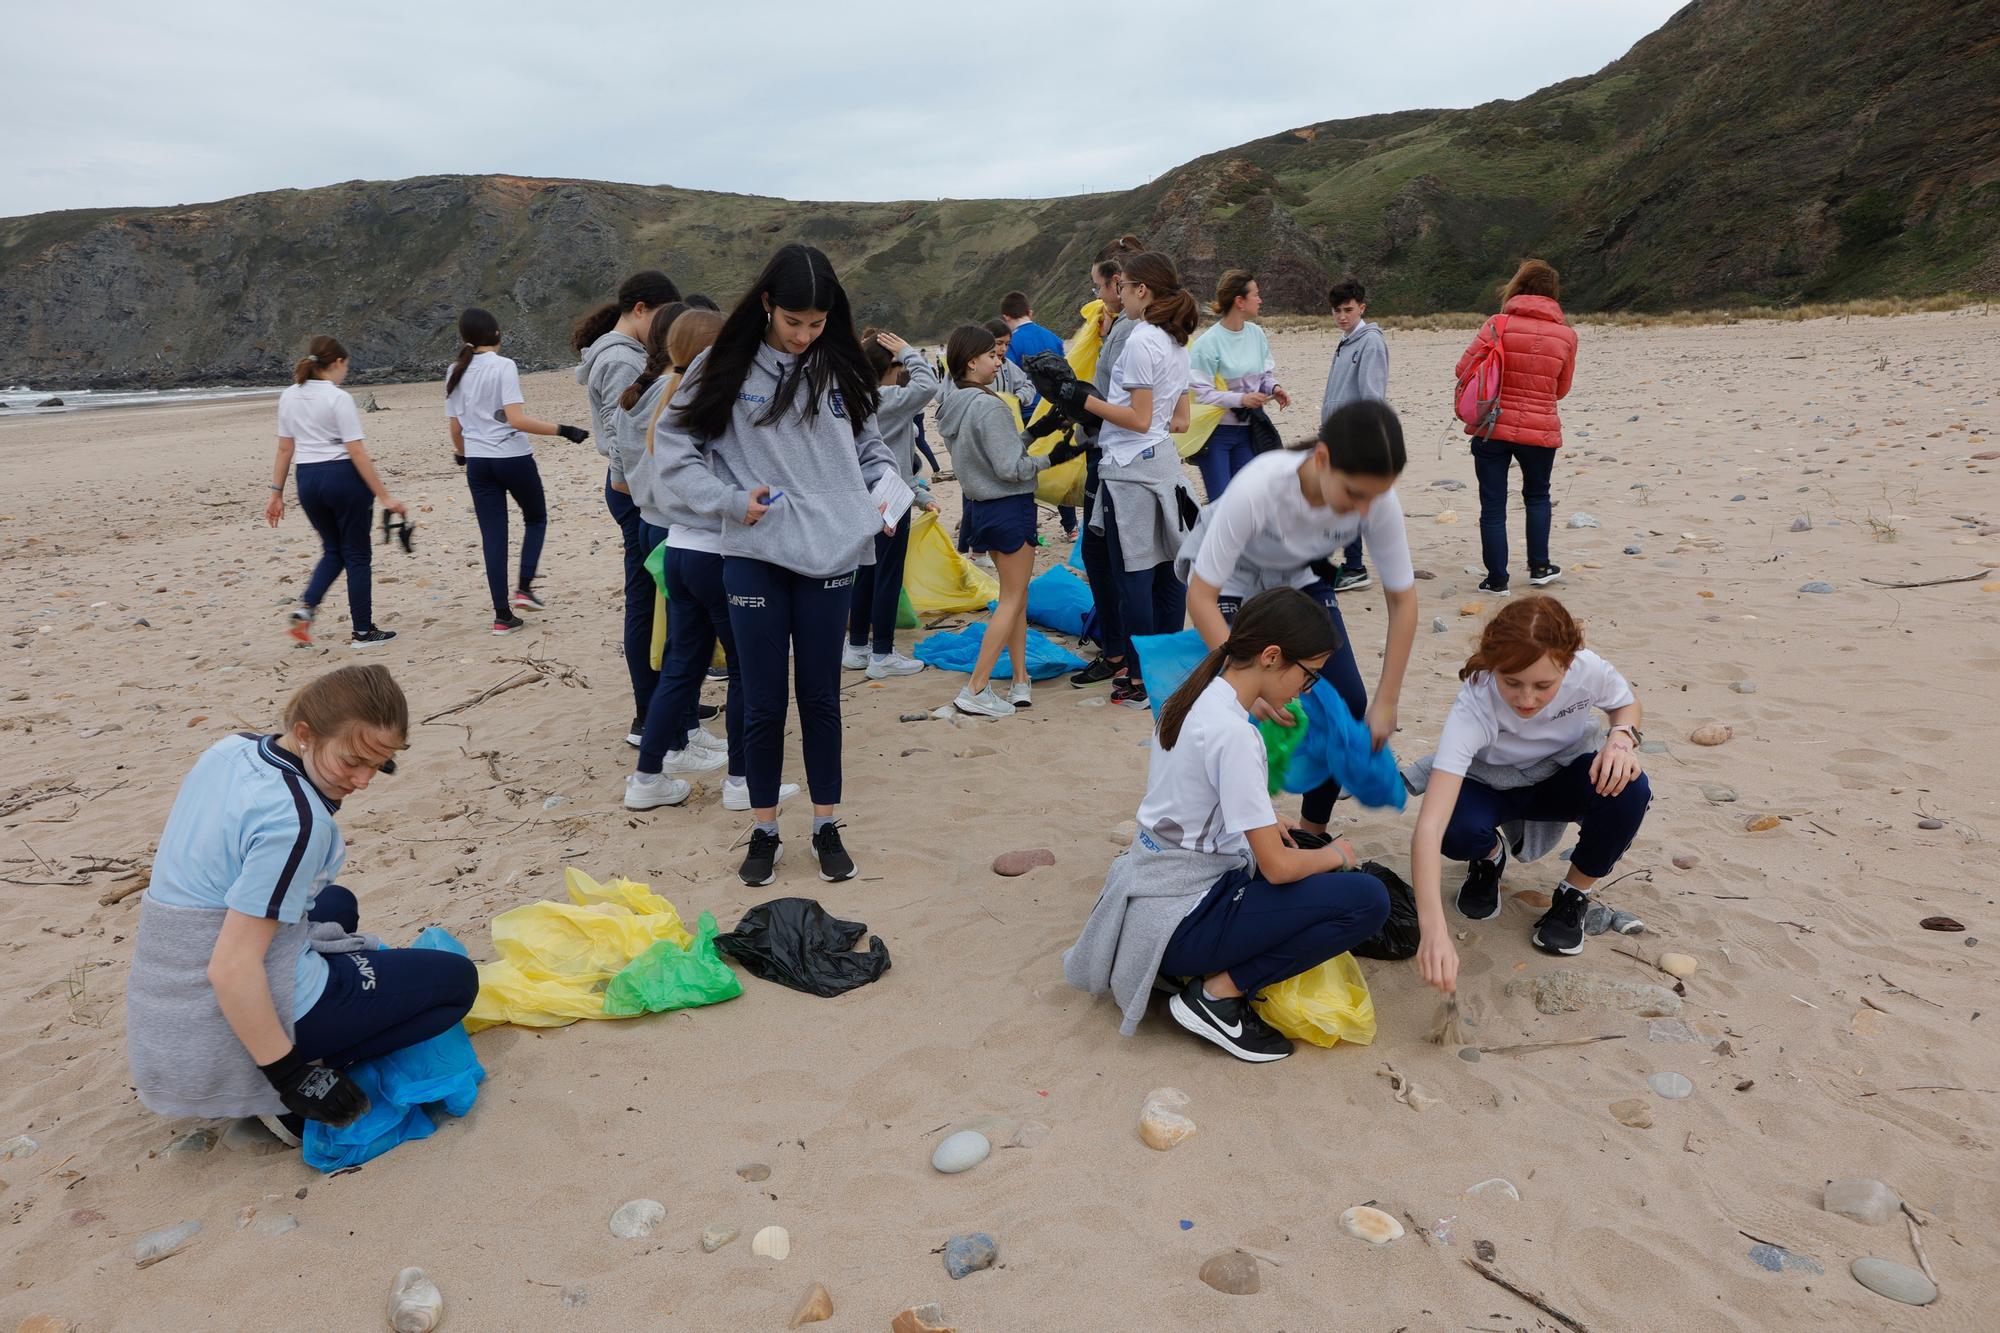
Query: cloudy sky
[{"x": 117, "y": 103}]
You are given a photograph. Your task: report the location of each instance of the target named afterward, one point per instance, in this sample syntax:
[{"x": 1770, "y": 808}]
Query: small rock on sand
[
  {"x": 1634, "y": 1112},
  {"x": 1761, "y": 824},
  {"x": 925, "y": 1318},
  {"x": 961, "y": 1152},
  {"x": 1437, "y": 625},
  {"x": 1674, "y": 1087},
  {"x": 1582, "y": 521},
  {"x": 715, "y": 1237},
  {"x": 1816, "y": 586},
  {"x": 1717, "y": 793},
  {"x": 772, "y": 1243},
  {"x": 1370, "y": 1224},
  {"x": 968, "y": 1254},
  {"x": 1124, "y": 832},
  {"x": 1743, "y": 686},
  {"x": 1712, "y": 733},
  {"x": 1899, "y": 1282},
  {"x": 815, "y": 1307},
  {"x": 1233, "y": 1273},
  {"x": 754, "y": 1171},
  {"x": 636, "y": 1220},
  {"x": 1801, "y": 524},
  {"x": 1678, "y": 964},
  {"x": 1930, "y": 824},
  {"x": 415, "y": 1303},
  {"x": 1686, "y": 861},
  {"x": 149, "y": 1249},
  {"x": 1471, "y": 608},
  {"x": 1021, "y": 862}
]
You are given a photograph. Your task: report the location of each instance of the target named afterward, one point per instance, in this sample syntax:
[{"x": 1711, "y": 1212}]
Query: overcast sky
[{"x": 116, "y": 103}]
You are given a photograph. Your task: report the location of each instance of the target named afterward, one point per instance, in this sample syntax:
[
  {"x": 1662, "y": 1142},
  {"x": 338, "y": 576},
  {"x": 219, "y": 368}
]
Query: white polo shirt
[
  {"x": 1213, "y": 787},
  {"x": 1482, "y": 725},
  {"x": 479, "y": 405},
  {"x": 321, "y": 420}
]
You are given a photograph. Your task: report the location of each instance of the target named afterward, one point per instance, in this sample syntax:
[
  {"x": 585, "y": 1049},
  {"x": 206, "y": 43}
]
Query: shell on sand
[
  {"x": 772, "y": 1243},
  {"x": 1678, "y": 964},
  {"x": 415, "y": 1303},
  {"x": 1370, "y": 1224}
]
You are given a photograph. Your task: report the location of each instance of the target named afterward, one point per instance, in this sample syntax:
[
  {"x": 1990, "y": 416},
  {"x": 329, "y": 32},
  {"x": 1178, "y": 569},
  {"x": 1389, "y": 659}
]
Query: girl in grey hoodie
[
  {"x": 908, "y": 385},
  {"x": 773, "y": 432}
]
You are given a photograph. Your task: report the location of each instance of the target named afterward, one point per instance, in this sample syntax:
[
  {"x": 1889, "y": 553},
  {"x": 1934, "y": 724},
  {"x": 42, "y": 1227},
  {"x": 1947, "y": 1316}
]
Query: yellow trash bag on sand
[
  {"x": 1327, "y": 1005},
  {"x": 937, "y": 578},
  {"x": 556, "y": 958}
]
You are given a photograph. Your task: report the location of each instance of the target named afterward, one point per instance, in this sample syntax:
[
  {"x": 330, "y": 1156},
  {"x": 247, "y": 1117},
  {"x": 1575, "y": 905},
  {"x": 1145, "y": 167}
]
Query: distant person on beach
[
  {"x": 1521, "y": 758},
  {"x": 1540, "y": 352},
  {"x": 1234, "y": 350},
  {"x": 908, "y": 384},
  {"x": 773, "y": 432},
  {"x": 320, "y": 430},
  {"x": 1360, "y": 369},
  {"x": 489, "y": 439},
  {"x": 1279, "y": 520},
  {"x": 250, "y": 991},
  {"x": 610, "y": 341},
  {"x": 1215, "y": 888},
  {"x": 1029, "y": 337}
]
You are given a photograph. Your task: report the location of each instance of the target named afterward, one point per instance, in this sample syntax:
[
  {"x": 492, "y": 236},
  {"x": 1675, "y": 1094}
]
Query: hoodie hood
[
  {"x": 956, "y": 406},
  {"x": 1362, "y": 332},
  {"x": 612, "y": 345}
]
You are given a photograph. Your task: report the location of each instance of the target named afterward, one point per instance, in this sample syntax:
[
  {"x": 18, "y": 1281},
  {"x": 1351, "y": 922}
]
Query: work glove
[
  {"x": 314, "y": 1091},
  {"x": 574, "y": 434}
]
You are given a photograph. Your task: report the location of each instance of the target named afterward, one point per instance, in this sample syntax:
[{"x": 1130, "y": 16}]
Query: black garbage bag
[
  {"x": 793, "y": 942},
  {"x": 1054, "y": 380},
  {"x": 1264, "y": 435},
  {"x": 1400, "y": 934}
]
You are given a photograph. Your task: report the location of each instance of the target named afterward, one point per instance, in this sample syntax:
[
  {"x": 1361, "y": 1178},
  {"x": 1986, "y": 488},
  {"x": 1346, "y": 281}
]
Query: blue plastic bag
[
  {"x": 400, "y": 1085},
  {"x": 1059, "y": 600},
  {"x": 958, "y": 650}
]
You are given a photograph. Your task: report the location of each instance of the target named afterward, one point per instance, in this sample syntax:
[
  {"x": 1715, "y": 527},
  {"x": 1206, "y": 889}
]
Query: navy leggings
[
  {"x": 491, "y": 481},
  {"x": 697, "y": 619},
  {"x": 1150, "y": 601},
  {"x": 1259, "y": 932},
  {"x": 1226, "y": 454},
  {"x": 380, "y": 1001},
  {"x": 1489, "y": 465},
  {"x": 1097, "y": 569},
  {"x": 779, "y": 615},
  {"x": 1606, "y": 825},
  {"x": 878, "y": 588},
  {"x": 1342, "y": 673},
  {"x": 341, "y": 509},
  {"x": 638, "y": 598},
  {"x": 1351, "y": 558}
]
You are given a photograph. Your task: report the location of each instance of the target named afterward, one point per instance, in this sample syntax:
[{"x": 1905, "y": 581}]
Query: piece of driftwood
[{"x": 1532, "y": 1298}]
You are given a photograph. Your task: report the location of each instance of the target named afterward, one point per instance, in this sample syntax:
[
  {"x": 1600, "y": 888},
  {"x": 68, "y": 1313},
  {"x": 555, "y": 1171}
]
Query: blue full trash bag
[
  {"x": 958, "y": 650},
  {"x": 400, "y": 1085},
  {"x": 1059, "y": 600}
]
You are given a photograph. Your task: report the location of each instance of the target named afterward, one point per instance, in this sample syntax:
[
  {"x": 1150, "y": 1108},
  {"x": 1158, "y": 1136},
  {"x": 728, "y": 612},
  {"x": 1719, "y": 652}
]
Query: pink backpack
[{"x": 1478, "y": 396}]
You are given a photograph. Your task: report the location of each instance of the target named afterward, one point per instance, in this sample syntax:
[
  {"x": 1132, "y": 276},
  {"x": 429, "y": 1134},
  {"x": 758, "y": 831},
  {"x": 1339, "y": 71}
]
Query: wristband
[{"x": 279, "y": 489}]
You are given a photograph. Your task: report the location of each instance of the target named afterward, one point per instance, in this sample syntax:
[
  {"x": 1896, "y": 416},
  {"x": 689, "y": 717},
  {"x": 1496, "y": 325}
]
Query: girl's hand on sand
[
  {"x": 889, "y": 342},
  {"x": 1614, "y": 767},
  {"x": 1381, "y": 719},
  {"x": 275, "y": 510},
  {"x": 1437, "y": 961},
  {"x": 756, "y": 509},
  {"x": 1263, "y": 712}
]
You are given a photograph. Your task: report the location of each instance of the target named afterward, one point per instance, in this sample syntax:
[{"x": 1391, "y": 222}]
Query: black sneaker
[
  {"x": 1096, "y": 673},
  {"x": 760, "y": 863},
  {"x": 835, "y": 864},
  {"x": 1230, "y": 1024},
  {"x": 1488, "y": 585},
  {"x": 1347, "y": 580},
  {"x": 1561, "y": 928},
  {"x": 708, "y": 712},
  {"x": 525, "y": 600},
  {"x": 1541, "y": 576},
  {"x": 369, "y": 638},
  {"x": 637, "y": 736},
  {"x": 716, "y": 673},
  {"x": 1479, "y": 896},
  {"x": 1129, "y": 693},
  {"x": 508, "y": 624}
]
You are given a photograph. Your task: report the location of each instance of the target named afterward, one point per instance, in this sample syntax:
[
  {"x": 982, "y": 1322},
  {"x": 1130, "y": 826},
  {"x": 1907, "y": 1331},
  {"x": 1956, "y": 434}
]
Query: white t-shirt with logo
[
  {"x": 1151, "y": 360},
  {"x": 1263, "y": 524},
  {"x": 1482, "y": 725},
  {"x": 480, "y": 403},
  {"x": 320, "y": 419},
  {"x": 1213, "y": 787}
]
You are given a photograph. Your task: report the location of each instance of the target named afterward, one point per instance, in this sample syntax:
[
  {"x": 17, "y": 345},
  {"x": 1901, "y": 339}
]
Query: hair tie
[{"x": 312, "y": 357}]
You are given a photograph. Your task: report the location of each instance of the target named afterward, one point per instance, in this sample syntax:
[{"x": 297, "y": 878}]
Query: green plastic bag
[
  {"x": 906, "y": 615},
  {"x": 668, "y": 976},
  {"x": 1279, "y": 743},
  {"x": 656, "y": 565}
]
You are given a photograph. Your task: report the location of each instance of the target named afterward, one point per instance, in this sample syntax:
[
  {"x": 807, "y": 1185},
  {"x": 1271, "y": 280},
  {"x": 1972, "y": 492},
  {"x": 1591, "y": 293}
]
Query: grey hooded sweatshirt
[
  {"x": 901, "y": 406},
  {"x": 986, "y": 448},
  {"x": 825, "y": 523},
  {"x": 609, "y": 365},
  {"x": 630, "y": 455},
  {"x": 1360, "y": 370}
]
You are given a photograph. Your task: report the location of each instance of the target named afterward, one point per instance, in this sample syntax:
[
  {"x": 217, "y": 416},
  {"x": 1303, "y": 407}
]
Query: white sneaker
[
  {"x": 853, "y": 658},
  {"x": 983, "y": 704},
  {"x": 736, "y": 793},
  {"x": 646, "y": 791},
  {"x": 701, "y": 738},
  {"x": 694, "y": 759},
  {"x": 893, "y": 664},
  {"x": 1022, "y": 695}
]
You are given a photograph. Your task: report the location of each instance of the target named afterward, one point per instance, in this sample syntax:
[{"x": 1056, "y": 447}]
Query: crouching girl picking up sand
[
  {"x": 1213, "y": 888},
  {"x": 250, "y": 990},
  {"x": 1521, "y": 746}
]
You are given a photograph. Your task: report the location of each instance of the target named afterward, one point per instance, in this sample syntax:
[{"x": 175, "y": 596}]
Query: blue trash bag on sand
[
  {"x": 1337, "y": 744},
  {"x": 958, "y": 650},
  {"x": 400, "y": 1085},
  {"x": 1061, "y": 601}
]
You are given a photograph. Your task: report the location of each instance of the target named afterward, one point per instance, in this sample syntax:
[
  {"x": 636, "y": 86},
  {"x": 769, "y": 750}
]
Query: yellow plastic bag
[
  {"x": 1327, "y": 1005},
  {"x": 938, "y": 579},
  {"x": 659, "y": 627},
  {"x": 555, "y": 959}
]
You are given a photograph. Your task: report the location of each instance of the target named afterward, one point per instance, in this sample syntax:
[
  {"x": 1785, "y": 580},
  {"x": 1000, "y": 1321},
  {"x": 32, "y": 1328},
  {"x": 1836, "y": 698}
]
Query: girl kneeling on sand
[
  {"x": 1213, "y": 888},
  {"x": 249, "y": 989},
  {"x": 1521, "y": 746}
]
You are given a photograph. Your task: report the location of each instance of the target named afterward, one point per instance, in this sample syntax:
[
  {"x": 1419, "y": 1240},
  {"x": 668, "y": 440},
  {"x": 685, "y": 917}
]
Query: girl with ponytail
[
  {"x": 1214, "y": 887},
  {"x": 489, "y": 439},
  {"x": 338, "y": 486}
]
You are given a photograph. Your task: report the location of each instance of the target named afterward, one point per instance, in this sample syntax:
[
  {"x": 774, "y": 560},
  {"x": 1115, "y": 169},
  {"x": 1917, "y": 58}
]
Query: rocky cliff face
[{"x": 1766, "y": 150}]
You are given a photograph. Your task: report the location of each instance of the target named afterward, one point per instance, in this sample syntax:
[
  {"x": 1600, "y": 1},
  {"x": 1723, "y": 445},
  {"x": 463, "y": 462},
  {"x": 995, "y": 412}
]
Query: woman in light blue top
[{"x": 1236, "y": 352}]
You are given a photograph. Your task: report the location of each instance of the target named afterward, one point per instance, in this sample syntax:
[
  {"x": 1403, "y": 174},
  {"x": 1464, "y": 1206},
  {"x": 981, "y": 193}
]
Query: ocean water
[{"x": 21, "y": 400}]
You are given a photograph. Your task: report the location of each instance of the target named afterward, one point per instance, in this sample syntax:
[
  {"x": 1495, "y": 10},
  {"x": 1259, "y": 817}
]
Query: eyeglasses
[{"x": 1312, "y": 677}]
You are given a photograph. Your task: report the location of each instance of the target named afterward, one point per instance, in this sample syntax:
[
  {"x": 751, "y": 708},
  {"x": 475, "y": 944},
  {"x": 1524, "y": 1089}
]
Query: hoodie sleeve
[
  {"x": 610, "y": 376},
  {"x": 999, "y": 444},
  {"x": 1203, "y": 367},
  {"x": 909, "y": 399},
  {"x": 681, "y": 467},
  {"x": 1374, "y": 368},
  {"x": 873, "y": 451}
]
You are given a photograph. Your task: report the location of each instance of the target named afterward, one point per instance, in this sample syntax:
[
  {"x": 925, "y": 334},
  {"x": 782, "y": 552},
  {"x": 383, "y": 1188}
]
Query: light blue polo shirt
[{"x": 250, "y": 832}]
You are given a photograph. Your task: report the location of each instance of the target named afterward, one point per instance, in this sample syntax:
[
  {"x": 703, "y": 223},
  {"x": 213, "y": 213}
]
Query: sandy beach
[{"x": 1833, "y": 1036}]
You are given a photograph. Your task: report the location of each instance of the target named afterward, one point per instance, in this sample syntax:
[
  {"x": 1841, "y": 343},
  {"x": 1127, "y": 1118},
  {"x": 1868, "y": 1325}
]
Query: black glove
[
  {"x": 314, "y": 1091},
  {"x": 458, "y": 459},
  {"x": 1190, "y": 512},
  {"x": 1048, "y": 423},
  {"x": 1064, "y": 451},
  {"x": 574, "y": 434},
  {"x": 1071, "y": 398}
]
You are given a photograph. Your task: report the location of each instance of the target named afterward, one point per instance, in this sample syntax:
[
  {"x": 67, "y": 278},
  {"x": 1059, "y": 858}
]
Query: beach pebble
[
  {"x": 961, "y": 1152},
  {"x": 1899, "y": 1282},
  {"x": 1717, "y": 793},
  {"x": 914, "y": 717},
  {"x": 1446, "y": 516},
  {"x": 1232, "y": 1273},
  {"x": 969, "y": 1254},
  {"x": 1424, "y": 574},
  {"x": 1761, "y": 824},
  {"x": 1471, "y": 609},
  {"x": 1711, "y": 733},
  {"x": 815, "y": 1307},
  {"x": 250, "y": 1135},
  {"x": 44, "y": 1323},
  {"x": 415, "y": 1303},
  {"x": 18, "y": 1146},
  {"x": 1743, "y": 686},
  {"x": 1582, "y": 521},
  {"x": 925, "y": 1318},
  {"x": 1437, "y": 625},
  {"x": 1866, "y": 1201},
  {"x": 1930, "y": 824},
  {"x": 1674, "y": 1087},
  {"x": 636, "y": 1220},
  {"x": 1161, "y": 1125},
  {"x": 1122, "y": 834},
  {"x": 1816, "y": 586},
  {"x": 192, "y": 1144},
  {"x": 1942, "y": 923},
  {"x": 1633, "y": 1112},
  {"x": 1497, "y": 1187},
  {"x": 1632, "y": 550},
  {"x": 1448, "y": 484},
  {"x": 149, "y": 1249},
  {"x": 1801, "y": 524},
  {"x": 1674, "y": 1031},
  {"x": 1678, "y": 964},
  {"x": 754, "y": 1171},
  {"x": 772, "y": 1243},
  {"x": 1469, "y": 1054},
  {"x": 1686, "y": 861},
  {"x": 1370, "y": 1224},
  {"x": 1567, "y": 990},
  {"x": 715, "y": 1237},
  {"x": 1021, "y": 862}
]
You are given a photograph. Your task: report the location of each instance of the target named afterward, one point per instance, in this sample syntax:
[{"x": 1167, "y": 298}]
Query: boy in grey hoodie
[
  {"x": 609, "y": 364},
  {"x": 1360, "y": 370}
]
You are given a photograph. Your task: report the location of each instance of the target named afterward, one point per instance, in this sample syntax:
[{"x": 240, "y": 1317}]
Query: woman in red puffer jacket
[{"x": 1540, "y": 350}]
